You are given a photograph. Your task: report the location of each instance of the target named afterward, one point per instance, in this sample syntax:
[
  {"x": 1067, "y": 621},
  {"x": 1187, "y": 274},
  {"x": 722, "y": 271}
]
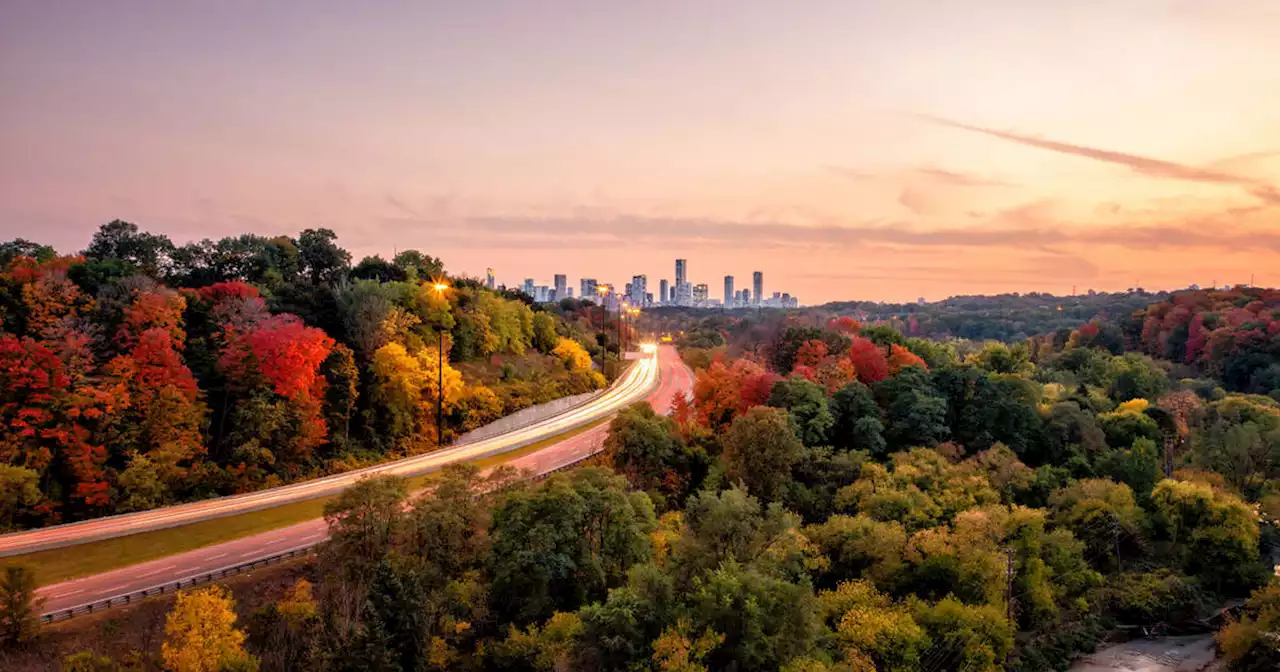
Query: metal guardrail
[
  {"x": 174, "y": 586},
  {"x": 229, "y": 570},
  {"x": 232, "y": 570}
]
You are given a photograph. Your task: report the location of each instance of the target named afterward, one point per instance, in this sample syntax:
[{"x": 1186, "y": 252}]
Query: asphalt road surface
[
  {"x": 669, "y": 373},
  {"x": 636, "y": 384}
]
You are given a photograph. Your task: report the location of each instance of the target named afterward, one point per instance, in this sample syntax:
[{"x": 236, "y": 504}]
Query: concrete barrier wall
[{"x": 526, "y": 417}]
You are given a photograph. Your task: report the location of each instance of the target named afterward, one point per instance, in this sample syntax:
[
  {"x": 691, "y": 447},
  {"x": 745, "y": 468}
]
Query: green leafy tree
[
  {"x": 916, "y": 414},
  {"x": 1101, "y": 512},
  {"x": 322, "y": 260},
  {"x": 647, "y": 449},
  {"x": 565, "y": 541},
  {"x": 363, "y": 520},
  {"x": 419, "y": 266},
  {"x": 19, "y": 606},
  {"x": 969, "y": 637},
  {"x": 617, "y": 632},
  {"x": 1138, "y": 467},
  {"x": 19, "y": 492},
  {"x": 759, "y": 449},
  {"x": 1214, "y": 534},
  {"x": 765, "y": 621},
  {"x": 858, "y": 423},
  {"x": 120, "y": 240},
  {"x": 860, "y": 547},
  {"x": 806, "y": 404},
  {"x": 870, "y": 630},
  {"x": 545, "y": 337}
]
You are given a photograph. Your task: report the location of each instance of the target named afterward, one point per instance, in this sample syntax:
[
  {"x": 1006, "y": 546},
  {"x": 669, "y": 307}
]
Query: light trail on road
[
  {"x": 632, "y": 387},
  {"x": 670, "y": 374}
]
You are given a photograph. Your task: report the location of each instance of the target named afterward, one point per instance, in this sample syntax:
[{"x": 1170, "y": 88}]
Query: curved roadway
[
  {"x": 668, "y": 372},
  {"x": 638, "y": 381}
]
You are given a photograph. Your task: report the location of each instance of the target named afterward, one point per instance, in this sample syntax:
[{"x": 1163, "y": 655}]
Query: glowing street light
[{"x": 440, "y": 288}]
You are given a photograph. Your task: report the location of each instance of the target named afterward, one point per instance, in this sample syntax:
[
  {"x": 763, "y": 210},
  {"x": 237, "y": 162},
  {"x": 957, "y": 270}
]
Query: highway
[
  {"x": 657, "y": 380},
  {"x": 638, "y": 381}
]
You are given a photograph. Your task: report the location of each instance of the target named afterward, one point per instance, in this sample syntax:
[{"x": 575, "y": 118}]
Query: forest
[
  {"x": 138, "y": 373},
  {"x": 843, "y": 497}
]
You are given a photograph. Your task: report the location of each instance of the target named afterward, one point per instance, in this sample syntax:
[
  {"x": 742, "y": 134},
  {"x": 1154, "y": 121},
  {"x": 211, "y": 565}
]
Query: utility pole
[
  {"x": 440, "y": 390},
  {"x": 1008, "y": 587},
  {"x": 1115, "y": 533}
]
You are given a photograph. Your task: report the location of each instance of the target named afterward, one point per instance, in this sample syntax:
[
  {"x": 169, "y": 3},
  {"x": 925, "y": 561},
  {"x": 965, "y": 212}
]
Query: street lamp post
[
  {"x": 604, "y": 318},
  {"x": 440, "y": 288}
]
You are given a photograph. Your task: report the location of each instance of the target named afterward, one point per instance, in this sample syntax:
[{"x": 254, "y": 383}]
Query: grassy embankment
[{"x": 61, "y": 564}]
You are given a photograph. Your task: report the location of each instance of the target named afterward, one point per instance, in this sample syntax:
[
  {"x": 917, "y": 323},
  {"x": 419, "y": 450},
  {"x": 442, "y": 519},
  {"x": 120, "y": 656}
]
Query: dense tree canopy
[{"x": 141, "y": 373}]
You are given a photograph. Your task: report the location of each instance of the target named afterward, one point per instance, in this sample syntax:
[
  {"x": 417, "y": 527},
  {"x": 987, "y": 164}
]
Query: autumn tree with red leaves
[
  {"x": 273, "y": 372},
  {"x": 868, "y": 360}
]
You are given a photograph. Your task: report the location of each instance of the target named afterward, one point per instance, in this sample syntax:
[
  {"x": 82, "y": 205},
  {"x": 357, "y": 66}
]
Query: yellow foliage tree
[
  {"x": 1134, "y": 406},
  {"x": 574, "y": 356},
  {"x": 298, "y": 604},
  {"x": 676, "y": 650},
  {"x": 409, "y": 384},
  {"x": 200, "y": 633}
]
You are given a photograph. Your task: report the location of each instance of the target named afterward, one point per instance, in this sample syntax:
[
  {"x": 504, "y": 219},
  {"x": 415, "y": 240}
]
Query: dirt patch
[{"x": 1194, "y": 653}]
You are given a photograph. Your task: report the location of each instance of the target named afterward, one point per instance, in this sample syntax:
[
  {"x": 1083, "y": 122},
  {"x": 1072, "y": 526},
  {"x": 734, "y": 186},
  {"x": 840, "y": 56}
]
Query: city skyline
[
  {"x": 992, "y": 155},
  {"x": 683, "y": 292}
]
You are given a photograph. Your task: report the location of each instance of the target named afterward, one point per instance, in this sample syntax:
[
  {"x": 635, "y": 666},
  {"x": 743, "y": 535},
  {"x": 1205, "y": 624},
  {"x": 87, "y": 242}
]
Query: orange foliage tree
[{"x": 900, "y": 357}]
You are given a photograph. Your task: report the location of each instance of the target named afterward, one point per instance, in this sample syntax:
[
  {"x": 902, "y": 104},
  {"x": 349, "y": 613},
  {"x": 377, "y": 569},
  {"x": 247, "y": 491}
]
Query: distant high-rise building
[
  {"x": 664, "y": 295},
  {"x": 682, "y": 268},
  {"x": 672, "y": 297},
  {"x": 568, "y": 292},
  {"x": 757, "y": 286},
  {"x": 562, "y": 285},
  {"x": 588, "y": 290},
  {"x": 527, "y": 287},
  {"x": 637, "y": 290},
  {"x": 489, "y": 280},
  {"x": 700, "y": 293},
  {"x": 746, "y": 298},
  {"x": 728, "y": 291}
]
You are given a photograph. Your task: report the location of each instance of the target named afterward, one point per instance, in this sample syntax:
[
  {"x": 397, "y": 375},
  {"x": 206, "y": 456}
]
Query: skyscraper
[
  {"x": 757, "y": 286},
  {"x": 728, "y": 291},
  {"x": 562, "y": 284},
  {"x": 587, "y": 290},
  {"x": 527, "y": 287},
  {"x": 639, "y": 287},
  {"x": 700, "y": 293},
  {"x": 489, "y": 280},
  {"x": 681, "y": 267},
  {"x": 664, "y": 295}
]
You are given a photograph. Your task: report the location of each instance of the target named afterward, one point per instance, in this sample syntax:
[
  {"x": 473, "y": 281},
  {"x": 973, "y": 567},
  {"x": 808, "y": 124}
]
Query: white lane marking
[
  {"x": 69, "y": 593},
  {"x": 156, "y": 571},
  {"x": 638, "y": 378},
  {"x": 215, "y": 557},
  {"x": 112, "y": 590}
]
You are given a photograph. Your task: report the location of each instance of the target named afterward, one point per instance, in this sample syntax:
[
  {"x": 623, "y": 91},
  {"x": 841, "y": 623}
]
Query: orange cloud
[{"x": 1139, "y": 164}]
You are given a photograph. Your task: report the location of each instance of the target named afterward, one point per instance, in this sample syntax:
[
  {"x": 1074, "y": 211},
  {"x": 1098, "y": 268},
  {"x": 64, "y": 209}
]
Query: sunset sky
[{"x": 879, "y": 150}]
